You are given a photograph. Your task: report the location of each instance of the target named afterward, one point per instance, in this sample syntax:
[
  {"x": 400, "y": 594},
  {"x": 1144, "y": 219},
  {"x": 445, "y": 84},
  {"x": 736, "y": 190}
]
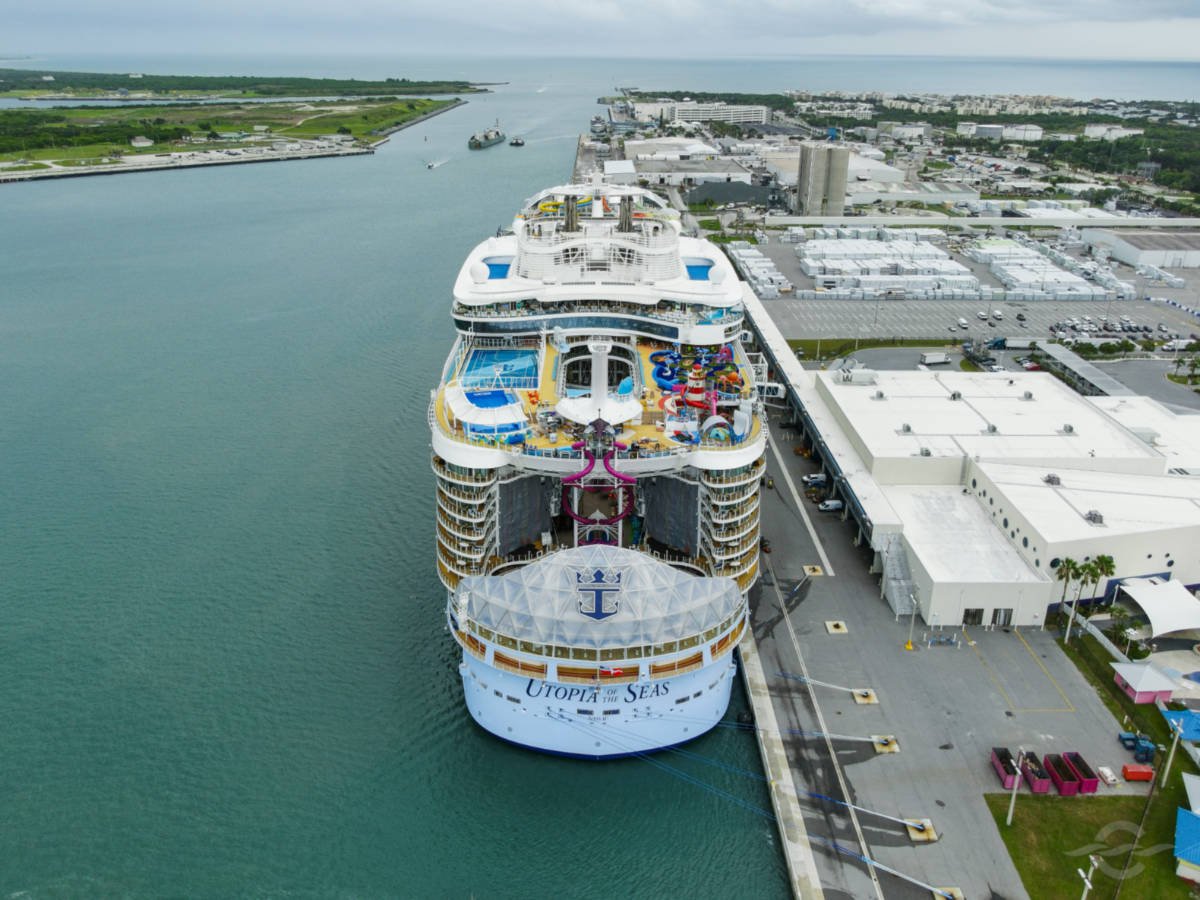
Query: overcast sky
[{"x": 1089, "y": 29}]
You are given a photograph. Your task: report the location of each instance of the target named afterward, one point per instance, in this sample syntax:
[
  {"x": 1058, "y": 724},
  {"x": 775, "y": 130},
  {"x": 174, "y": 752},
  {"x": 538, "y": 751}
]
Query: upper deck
[{"x": 599, "y": 256}]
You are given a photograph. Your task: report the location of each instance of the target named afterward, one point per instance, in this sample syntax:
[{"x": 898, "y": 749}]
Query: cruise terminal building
[{"x": 971, "y": 488}]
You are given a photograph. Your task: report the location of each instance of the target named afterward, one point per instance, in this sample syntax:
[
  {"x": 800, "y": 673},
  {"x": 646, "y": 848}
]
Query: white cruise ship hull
[{"x": 603, "y": 722}]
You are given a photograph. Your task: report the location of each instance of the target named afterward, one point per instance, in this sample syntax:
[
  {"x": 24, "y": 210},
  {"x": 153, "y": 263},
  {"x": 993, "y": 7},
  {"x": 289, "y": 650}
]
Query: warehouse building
[
  {"x": 972, "y": 488},
  {"x": 1163, "y": 249}
]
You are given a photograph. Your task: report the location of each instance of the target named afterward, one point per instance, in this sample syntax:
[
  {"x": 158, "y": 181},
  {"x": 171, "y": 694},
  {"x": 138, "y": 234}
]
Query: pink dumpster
[
  {"x": 1089, "y": 781},
  {"x": 1062, "y": 776},
  {"x": 1002, "y": 762},
  {"x": 1035, "y": 774}
]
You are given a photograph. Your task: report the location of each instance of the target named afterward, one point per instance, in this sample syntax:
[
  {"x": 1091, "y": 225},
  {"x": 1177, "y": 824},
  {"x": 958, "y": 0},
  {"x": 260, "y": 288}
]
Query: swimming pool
[{"x": 496, "y": 368}]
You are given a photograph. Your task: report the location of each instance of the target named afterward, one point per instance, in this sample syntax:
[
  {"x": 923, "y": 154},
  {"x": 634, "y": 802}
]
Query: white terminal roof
[
  {"x": 1173, "y": 435},
  {"x": 1129, "y": 504},
  {"x": 1025, "y": 428},
  {"x": 977, "y": 552},
  {"x": 545, "y": 602}
]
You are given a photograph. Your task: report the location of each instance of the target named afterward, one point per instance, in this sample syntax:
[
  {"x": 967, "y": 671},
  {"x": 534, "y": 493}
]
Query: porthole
[
  {"x": 1025, "y": 542},
  {"x": 1037, "y": 563},
  {"x": 1013, "y": 535},
  {"x": 992, "y": 501},
  {"x": 974, "y": 483},
  {"x": 1170, "y": 562},
  {"x": 1055, "y": 563},
  {"x": 1005, "y": 521}
]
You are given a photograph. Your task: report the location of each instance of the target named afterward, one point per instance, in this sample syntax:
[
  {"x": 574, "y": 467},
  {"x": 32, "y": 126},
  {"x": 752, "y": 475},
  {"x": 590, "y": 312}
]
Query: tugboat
[
  {"x": 489, "y": 138},
  {"x": 517, "y": 142}
]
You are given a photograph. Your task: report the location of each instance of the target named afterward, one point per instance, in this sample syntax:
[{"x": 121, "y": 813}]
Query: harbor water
[{"x": 224, "y": 668}]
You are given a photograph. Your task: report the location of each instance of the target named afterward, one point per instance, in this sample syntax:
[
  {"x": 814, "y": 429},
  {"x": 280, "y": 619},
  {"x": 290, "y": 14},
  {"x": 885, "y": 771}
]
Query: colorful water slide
[{"x": 574, "y": 480}]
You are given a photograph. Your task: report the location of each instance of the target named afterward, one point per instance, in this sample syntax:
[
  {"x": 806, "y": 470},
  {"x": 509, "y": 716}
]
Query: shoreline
[
  {"x": 386, "y": 134},
  {"x": 218, "y": 157}
]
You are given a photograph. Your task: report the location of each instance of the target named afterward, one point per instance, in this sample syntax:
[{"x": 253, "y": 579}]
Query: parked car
[
  {"x": 982, "y": 314},
  {"x": 817, "y": 479},
  {"x": 1020, "y": 317},
  {"x": 829, "y": 505}
]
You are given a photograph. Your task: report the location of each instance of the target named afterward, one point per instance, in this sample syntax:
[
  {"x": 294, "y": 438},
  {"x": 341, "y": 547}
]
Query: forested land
[{"x": 24, "y": 81}]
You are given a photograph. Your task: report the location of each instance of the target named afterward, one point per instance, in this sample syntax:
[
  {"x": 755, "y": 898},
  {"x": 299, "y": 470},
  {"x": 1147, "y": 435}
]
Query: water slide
[{"x": 571, "y": 480}]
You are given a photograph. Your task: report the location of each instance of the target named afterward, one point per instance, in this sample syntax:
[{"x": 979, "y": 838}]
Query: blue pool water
[
  {"x": 501, "y": 368},
  {"x": 498, "y": 266},
  {"x": 490, "y": 399},
  {"x": 699, "y": 272}
]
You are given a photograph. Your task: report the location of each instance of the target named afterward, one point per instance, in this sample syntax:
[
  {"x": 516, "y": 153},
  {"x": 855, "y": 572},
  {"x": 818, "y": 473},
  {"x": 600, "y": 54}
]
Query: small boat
[{"x": 517, "y": 142}]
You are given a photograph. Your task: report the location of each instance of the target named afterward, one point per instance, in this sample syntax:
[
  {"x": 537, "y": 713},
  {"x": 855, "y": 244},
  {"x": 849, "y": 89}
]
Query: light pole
[
  {"x": 1094, "y": 861},
  {"x": 912, "y": 620},
  {"x": 1012, "y": 803},
  {"x": 1177, "y": 727}
]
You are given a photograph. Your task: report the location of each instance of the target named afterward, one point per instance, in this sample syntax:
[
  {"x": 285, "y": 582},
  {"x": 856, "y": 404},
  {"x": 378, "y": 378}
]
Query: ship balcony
[
  {"x": 465, "y": 552},
  {"x": 723, "y": 552},
  {"x": 739, "y": 569},
  {"x": 724, "y": 515},
  {"x": 463, "y": 475},
  {"x": 727, "y": 496},
  {"x": 461, "y": 512},
  {"x": 472, "y": 497},
  {"x": 457, "y": 567},
  {"x": 734, "y": 478},
  {"x": 664, "y": 312},
  {"x": 455, "y": 532},
  {"x": 732, "y": 532}
]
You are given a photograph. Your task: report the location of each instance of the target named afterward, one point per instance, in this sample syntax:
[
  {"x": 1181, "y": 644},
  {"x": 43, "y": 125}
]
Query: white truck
[{"x": 932, "y": 358}]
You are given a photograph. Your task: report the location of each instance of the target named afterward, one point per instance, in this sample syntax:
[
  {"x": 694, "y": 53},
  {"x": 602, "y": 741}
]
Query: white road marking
[{"x": 800, "y": 506}]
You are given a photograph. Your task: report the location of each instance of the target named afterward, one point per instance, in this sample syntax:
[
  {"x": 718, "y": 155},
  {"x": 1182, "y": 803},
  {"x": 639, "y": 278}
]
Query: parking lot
[
  {"x": 946, "y": 704},
  {"x": 884, "y": 318}
]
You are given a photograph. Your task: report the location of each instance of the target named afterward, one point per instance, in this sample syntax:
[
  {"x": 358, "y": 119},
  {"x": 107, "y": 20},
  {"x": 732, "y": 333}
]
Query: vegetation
[
  {"x": 95, "y": 132},
  {"x": 780, "y": 102},
  {"x": 1158, "y": 878},
  {"x": 32, "y": 81},
  {"x": 833, "y": 348},
  {"x": 710, "y": 224},
  {"x": 1047, "y": 830}
]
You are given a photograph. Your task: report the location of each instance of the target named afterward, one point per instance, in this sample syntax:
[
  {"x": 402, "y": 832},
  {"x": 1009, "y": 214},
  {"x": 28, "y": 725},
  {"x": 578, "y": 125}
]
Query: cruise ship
[{"x": 598, "y": 441}]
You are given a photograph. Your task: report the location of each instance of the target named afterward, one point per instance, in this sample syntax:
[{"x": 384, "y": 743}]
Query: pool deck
[{"x": 648, "y": 432}]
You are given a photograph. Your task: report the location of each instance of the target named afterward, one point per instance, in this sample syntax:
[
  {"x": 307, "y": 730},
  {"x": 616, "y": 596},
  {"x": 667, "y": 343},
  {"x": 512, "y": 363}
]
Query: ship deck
[{"x": 647, "y": 435}]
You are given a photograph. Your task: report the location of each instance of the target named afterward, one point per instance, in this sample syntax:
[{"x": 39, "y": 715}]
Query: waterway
[{"x": 223, "y": 663}]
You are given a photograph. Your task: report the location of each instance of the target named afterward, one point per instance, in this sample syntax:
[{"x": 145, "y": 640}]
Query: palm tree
[
  {"x": 1085, "y": 572},
  {"x": 1104, "y": 567},
  {"x": 1193, "y": 364},
  {"x": 1066, "y": 572}
]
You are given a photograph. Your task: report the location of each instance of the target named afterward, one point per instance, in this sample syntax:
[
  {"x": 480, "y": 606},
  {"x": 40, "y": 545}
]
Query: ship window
[
  {"x": 635, "y": 652},
  {"x": 713, "y": 632},
  {"x": 612, "y": 712},
  {"x": 697, "y": 694},
  {"x": 497, "y": 693},
  {"x": 529, "y": 647},
  {"x": 669, "y": 647},
  {"x": 689, "y": 642},
  {"x": 483, "y": 632},
  {"x": 611, "y": 653},
  {"x": 682, "y": 700},
  {"x": 582, "y": 653},
  {"x": 511, "y": 699},
  {"x": 505, "y": 641},
  {"x": 584, "y": 712},
  {"x": 562, "y": 652}
]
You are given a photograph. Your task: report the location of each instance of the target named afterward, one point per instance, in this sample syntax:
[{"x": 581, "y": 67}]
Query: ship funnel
[
  {"x": 571, "y": 211},
  {"x": 625, "y": 224}
]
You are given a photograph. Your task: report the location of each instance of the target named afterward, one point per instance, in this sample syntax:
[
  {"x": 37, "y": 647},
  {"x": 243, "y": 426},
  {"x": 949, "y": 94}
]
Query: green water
[{"x": 223, "y": 668}]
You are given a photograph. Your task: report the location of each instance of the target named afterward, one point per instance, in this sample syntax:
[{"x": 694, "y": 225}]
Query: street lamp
[
  {"x": 1012, "y": 803},
  {"x": 1177, "y": 727},
  {"x": 1094, "y": 861}
]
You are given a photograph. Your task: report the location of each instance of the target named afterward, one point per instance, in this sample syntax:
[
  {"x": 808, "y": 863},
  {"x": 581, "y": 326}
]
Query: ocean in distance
[{"x": 224, "y": 669}]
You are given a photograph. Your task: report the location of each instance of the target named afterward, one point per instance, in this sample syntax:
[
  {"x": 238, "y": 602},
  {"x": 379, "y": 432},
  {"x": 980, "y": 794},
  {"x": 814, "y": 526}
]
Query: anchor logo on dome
[{"x": 596, "y": 587}]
